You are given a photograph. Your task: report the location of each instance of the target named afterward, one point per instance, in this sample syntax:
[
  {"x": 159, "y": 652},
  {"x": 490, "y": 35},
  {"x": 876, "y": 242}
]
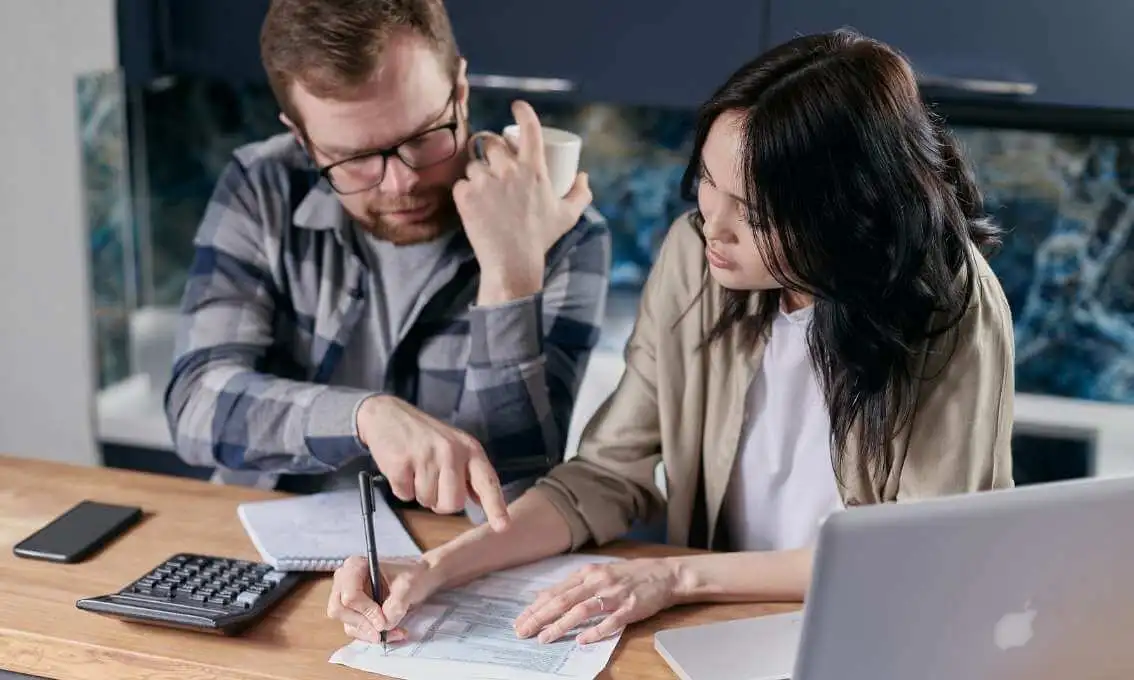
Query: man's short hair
[{"x": 332, "y": 46}]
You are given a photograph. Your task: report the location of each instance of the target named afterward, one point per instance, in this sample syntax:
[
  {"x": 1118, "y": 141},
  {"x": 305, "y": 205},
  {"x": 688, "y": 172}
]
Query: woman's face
[{"x": 733, "y": 258}]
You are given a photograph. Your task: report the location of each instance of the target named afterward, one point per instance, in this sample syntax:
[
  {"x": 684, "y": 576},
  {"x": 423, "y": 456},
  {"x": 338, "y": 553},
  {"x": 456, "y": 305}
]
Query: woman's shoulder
[
  {"x": 987, "y": 297},
  {"x": 984, "y": 332}
]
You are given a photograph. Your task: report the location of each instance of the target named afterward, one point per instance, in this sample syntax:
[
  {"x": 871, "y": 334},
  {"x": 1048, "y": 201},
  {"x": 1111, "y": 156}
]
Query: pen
[{"x": 366, "y": 493}]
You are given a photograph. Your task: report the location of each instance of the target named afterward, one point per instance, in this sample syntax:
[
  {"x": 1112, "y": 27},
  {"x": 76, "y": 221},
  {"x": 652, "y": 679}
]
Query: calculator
[{"x": 198, "y": 592}]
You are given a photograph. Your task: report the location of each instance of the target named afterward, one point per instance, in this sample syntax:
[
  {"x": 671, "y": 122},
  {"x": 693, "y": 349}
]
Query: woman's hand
[
  {"x": 405, "y": 582},
  {"x": 623, "y": 592}
]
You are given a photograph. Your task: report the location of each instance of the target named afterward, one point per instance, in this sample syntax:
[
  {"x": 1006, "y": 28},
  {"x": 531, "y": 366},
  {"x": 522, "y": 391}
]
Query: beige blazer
[{"x": 685, "y": 406}]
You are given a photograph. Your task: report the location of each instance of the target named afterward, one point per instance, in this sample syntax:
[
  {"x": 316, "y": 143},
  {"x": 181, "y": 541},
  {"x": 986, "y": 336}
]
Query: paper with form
[{"x": 467, "y": 633}]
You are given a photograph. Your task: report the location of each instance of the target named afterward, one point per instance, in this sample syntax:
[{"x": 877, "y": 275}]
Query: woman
[{"x": 821, "y": 332}]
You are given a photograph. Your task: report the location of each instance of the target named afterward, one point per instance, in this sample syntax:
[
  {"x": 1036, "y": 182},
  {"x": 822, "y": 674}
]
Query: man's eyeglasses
[{"x": 366, "y": 170}]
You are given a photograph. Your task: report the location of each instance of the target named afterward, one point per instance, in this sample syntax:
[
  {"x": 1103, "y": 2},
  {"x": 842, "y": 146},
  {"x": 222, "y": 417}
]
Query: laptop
[{"x": 1035, "y": 583}]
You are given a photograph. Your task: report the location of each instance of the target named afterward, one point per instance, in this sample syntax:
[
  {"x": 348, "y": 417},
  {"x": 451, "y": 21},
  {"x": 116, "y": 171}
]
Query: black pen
[{"x": 366, "y": 492}]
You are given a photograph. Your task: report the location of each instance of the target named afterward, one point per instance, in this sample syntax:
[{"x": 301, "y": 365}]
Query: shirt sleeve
[
  {"x": 527, "y": 358},
  {"x": 224, "y": 407}
]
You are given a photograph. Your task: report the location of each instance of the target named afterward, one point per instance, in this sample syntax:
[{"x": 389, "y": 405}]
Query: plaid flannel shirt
[{"x": 274, "y": 293}]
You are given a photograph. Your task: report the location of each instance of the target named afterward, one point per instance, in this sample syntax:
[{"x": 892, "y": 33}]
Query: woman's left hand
[{"x": 623, "y": 592}]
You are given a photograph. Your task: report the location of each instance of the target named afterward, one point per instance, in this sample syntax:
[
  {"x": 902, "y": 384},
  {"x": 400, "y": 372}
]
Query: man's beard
[{"x": 441, "y": 221}]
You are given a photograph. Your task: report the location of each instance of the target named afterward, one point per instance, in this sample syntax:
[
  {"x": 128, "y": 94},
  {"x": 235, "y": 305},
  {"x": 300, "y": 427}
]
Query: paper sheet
[
  {"x": 318, "y": 531},
  {"x": 467, "y": 633}
]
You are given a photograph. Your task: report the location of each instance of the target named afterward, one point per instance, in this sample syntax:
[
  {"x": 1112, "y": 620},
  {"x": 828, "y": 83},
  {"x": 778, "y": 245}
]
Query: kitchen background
[{"x": 1062, "y": 183}]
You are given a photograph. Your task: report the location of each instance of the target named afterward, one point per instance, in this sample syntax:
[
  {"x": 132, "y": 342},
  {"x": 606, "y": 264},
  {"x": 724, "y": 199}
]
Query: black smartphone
[{"x": 79, "y": 533}]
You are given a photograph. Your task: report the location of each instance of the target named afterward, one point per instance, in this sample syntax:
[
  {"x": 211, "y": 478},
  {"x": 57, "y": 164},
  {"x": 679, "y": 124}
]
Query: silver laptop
[{"x": 1033, "y": 583}]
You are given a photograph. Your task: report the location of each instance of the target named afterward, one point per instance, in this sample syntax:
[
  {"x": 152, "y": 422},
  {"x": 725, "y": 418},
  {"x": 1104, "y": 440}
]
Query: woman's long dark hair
[{"x": 857, "y": 196}]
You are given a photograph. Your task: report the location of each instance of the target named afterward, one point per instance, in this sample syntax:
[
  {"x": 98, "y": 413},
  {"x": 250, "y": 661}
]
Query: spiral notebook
[{"x": 318, "y": 532}]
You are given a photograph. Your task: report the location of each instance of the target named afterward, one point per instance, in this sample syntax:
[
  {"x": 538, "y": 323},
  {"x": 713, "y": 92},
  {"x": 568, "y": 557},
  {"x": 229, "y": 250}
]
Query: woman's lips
[{"x": 717, "y": 260}]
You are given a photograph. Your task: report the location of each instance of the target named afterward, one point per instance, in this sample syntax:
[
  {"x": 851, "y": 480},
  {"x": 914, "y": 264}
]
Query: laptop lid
[{"x": 1029, "y": 583}]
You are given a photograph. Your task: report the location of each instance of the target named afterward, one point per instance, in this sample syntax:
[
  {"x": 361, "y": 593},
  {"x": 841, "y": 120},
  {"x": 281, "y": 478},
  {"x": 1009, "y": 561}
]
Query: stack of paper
[{"x": 468, "y": 632}]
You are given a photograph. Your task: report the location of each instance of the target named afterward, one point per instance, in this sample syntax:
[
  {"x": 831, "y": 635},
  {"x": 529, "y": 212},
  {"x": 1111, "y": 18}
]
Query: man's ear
[
  {"x": 462, "y": 84},
  {"x": 291, "y": 126}
]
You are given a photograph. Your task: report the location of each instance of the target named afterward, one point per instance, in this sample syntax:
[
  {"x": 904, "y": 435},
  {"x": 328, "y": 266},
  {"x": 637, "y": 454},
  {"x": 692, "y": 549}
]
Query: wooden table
[{"x": 42, "y": 633}]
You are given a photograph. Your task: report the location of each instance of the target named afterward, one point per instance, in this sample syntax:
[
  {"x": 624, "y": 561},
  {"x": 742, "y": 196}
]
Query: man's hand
[
  {"x": 510, "y": 212},
  {"x": 431, "y": 461}
]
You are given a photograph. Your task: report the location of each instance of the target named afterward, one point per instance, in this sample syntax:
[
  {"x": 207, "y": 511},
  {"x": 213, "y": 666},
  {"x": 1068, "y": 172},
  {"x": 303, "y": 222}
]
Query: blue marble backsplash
[{"x": 1068, "y": 201}]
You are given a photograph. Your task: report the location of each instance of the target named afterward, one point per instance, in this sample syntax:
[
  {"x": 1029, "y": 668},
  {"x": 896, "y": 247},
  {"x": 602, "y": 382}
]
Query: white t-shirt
[{"x": 783, "y": 484}]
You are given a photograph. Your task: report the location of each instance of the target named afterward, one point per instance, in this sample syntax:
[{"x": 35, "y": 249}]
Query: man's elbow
[{"x": 190, "y": 428}]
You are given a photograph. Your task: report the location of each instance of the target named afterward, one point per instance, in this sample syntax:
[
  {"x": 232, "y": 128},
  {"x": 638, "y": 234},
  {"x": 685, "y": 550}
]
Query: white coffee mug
[{"x": 561, "y": 149}]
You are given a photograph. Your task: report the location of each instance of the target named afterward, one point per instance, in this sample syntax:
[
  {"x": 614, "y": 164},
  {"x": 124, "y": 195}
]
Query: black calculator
[{"x": 198, "y": 592}]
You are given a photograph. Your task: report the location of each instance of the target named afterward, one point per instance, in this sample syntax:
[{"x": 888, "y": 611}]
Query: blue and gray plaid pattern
[{"x": 275, "y": 292}]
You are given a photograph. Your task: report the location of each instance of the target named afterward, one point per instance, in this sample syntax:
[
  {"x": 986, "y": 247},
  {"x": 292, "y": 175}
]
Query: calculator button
[
  {"x": 217, "y": 599},
  {"x": 247, "y": 600},
  {"x": 274, "y": 577}
]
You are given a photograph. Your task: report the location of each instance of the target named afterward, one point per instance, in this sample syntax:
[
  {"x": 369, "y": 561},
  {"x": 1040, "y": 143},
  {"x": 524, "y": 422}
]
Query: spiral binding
[{"x": 294, "y": 563}]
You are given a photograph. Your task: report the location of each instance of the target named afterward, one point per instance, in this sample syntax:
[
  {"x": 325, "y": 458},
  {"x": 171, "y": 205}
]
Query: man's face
[{"x": 411, "y": 93}]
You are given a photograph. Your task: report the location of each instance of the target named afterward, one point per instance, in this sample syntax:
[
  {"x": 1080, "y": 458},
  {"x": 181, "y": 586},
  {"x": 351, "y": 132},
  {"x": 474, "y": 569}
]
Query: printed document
[{"x": 468, "y": 632}]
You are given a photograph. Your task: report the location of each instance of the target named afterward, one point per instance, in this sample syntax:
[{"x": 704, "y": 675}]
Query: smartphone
[{"x": 79, "y": 533}]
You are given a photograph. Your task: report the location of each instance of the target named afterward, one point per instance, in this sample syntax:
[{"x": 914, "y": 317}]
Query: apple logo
[{"x": 1015, "y": 629}]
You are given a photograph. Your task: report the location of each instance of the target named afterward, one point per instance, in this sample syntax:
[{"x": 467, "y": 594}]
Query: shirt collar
[{"x": 320, "y": 209}]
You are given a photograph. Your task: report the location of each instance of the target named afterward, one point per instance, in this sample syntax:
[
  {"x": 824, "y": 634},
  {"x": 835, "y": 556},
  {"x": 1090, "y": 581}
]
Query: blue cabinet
[
  {"x": 206, "y": 38},
  {"x": 637, "y": 52},
  {"x": 1056, "y": 52}
]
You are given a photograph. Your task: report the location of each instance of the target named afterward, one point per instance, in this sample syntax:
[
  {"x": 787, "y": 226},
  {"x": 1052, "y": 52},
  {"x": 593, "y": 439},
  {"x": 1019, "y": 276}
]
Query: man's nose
[{"x": 399, "y": 177}]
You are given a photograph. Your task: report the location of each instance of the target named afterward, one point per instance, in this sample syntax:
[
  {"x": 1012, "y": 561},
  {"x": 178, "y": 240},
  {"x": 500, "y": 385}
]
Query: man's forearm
[
  {"x": 773, "y": 576},
  {"x": 222, "y": 413},
  {"x": 527, "y": 355}
]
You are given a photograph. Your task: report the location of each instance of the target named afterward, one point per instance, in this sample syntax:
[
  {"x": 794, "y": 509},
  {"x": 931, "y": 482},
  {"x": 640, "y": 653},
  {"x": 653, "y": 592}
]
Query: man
[{"x": 362, "y": 291}]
